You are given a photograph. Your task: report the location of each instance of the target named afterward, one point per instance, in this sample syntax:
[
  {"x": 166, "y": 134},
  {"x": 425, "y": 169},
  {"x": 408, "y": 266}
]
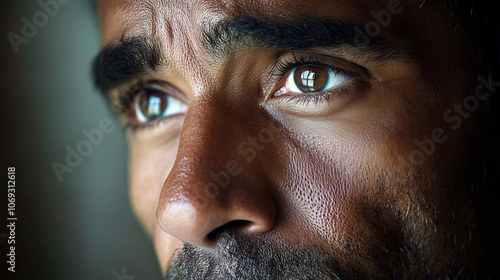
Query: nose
[{"x": 218, "y": 182}]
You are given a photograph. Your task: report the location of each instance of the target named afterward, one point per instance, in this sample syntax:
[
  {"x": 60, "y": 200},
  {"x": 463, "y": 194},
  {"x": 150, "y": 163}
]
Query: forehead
[
  {"x": 168, "y": 19},
  {"x": 178, "y": 26}
]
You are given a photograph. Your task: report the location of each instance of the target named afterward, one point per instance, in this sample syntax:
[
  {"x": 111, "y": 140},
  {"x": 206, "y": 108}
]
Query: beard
[{"x": 239, "y": 257}]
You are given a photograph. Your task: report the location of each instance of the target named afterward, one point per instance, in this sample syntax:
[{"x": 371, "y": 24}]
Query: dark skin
[{"x": 310, "y": 181}]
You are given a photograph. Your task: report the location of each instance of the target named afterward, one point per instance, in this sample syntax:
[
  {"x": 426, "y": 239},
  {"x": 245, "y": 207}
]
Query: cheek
[
  {"x": 336, "y": 195},
  {"x": 322, "y": 185},
  {"x": 317, "y": 195},
  {"x": 165, "y": 246},
  {"x": 149, "y": 167},
  {"x": 334, "y": 178}
]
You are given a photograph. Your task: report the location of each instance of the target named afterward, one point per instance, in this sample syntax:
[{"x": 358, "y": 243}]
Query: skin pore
[{"x": 245, "y": 165}]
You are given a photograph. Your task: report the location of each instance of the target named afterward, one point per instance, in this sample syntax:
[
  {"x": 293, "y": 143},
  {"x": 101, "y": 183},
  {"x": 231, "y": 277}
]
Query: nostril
[{"x": 234, "y": 226}]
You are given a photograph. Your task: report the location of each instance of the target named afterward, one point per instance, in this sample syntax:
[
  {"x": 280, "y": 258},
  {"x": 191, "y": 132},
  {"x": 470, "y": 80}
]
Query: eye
[
  {"x": 154, "y": 104},
  {"x": 311, "y": 79}
]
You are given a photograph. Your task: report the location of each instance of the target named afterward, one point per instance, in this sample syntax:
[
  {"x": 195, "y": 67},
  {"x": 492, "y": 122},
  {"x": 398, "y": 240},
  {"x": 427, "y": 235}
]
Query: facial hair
[{"x": 238, "y": 257}]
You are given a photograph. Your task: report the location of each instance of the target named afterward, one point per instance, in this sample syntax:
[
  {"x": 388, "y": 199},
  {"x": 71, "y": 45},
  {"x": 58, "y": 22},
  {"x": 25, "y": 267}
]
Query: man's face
[{"x": 294, "y": 139}]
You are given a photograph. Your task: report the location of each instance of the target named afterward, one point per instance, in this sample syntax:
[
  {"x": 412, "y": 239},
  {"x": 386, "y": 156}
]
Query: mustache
[{"x": 237, "y": 256}]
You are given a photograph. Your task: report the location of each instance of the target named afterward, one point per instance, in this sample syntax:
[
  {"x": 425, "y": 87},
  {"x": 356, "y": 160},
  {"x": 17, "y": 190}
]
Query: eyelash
[
  {"x": 281, "y": 70},
  {"x": 126, "y": 97},
  {"x": 284, "y": 66},
  {"x": 316, "y": 99}
]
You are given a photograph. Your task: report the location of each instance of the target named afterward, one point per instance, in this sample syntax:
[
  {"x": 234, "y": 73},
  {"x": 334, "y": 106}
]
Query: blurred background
[{"x": 78, "y": 225}]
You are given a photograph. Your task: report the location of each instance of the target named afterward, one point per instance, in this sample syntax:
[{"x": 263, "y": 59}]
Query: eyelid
[
  {"x": 123, "y": 100},
  {"x": 297, "y": 91},
  {"x": 323, "y": 103},
  {"x": 286, "y": 62},
  {"x": 151, "y": 126},
  {"x": 164, "y": 86}
]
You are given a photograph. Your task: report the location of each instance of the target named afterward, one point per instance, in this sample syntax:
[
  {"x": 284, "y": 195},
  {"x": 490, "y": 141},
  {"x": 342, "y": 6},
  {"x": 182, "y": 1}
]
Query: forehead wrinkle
[
  {"x": 174, "y": 30},
  {"x": 147, "y": 19},
  {"x": 186, "y": 46}
]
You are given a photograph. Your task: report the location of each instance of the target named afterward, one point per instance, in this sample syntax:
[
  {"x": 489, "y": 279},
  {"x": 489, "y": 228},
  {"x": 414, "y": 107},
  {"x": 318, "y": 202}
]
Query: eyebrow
[
  {"x": 126, "y": 58},
  {"x": 130, "y": 57},
  {"x": 299, "y": 34}
]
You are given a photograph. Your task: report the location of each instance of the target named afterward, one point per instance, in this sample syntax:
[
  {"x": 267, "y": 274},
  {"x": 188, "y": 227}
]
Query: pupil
[
  {"x": 152, "y": 104},
  {"x": 311, "y": 78}
]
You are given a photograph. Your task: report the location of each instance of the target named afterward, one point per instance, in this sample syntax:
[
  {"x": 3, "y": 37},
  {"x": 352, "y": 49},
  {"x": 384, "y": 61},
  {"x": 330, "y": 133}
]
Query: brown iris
[
  {"x": 151, "y": 104},
  {"x": 311, "y": 78}
]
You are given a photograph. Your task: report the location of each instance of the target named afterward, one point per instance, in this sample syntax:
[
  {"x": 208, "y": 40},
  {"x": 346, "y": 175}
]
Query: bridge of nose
[{"x": 219, "y": 181}]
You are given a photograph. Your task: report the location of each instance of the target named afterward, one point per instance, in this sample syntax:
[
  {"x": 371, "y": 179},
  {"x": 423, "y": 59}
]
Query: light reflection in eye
[
  {"x": 152, "y": 104},
  {"x": 311, "y": 79},
  {"x": 308, "y": 78}
]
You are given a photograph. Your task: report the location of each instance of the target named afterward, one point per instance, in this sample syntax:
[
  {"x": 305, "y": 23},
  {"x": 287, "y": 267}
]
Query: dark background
[{"x": 82, "y": 227}]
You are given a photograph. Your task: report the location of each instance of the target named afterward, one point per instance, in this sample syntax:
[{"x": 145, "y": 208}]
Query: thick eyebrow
[
  {"x": 137, "y": 55},
  {"x": 297, "y": 34},
  {"x": 127, "y": 58}
]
